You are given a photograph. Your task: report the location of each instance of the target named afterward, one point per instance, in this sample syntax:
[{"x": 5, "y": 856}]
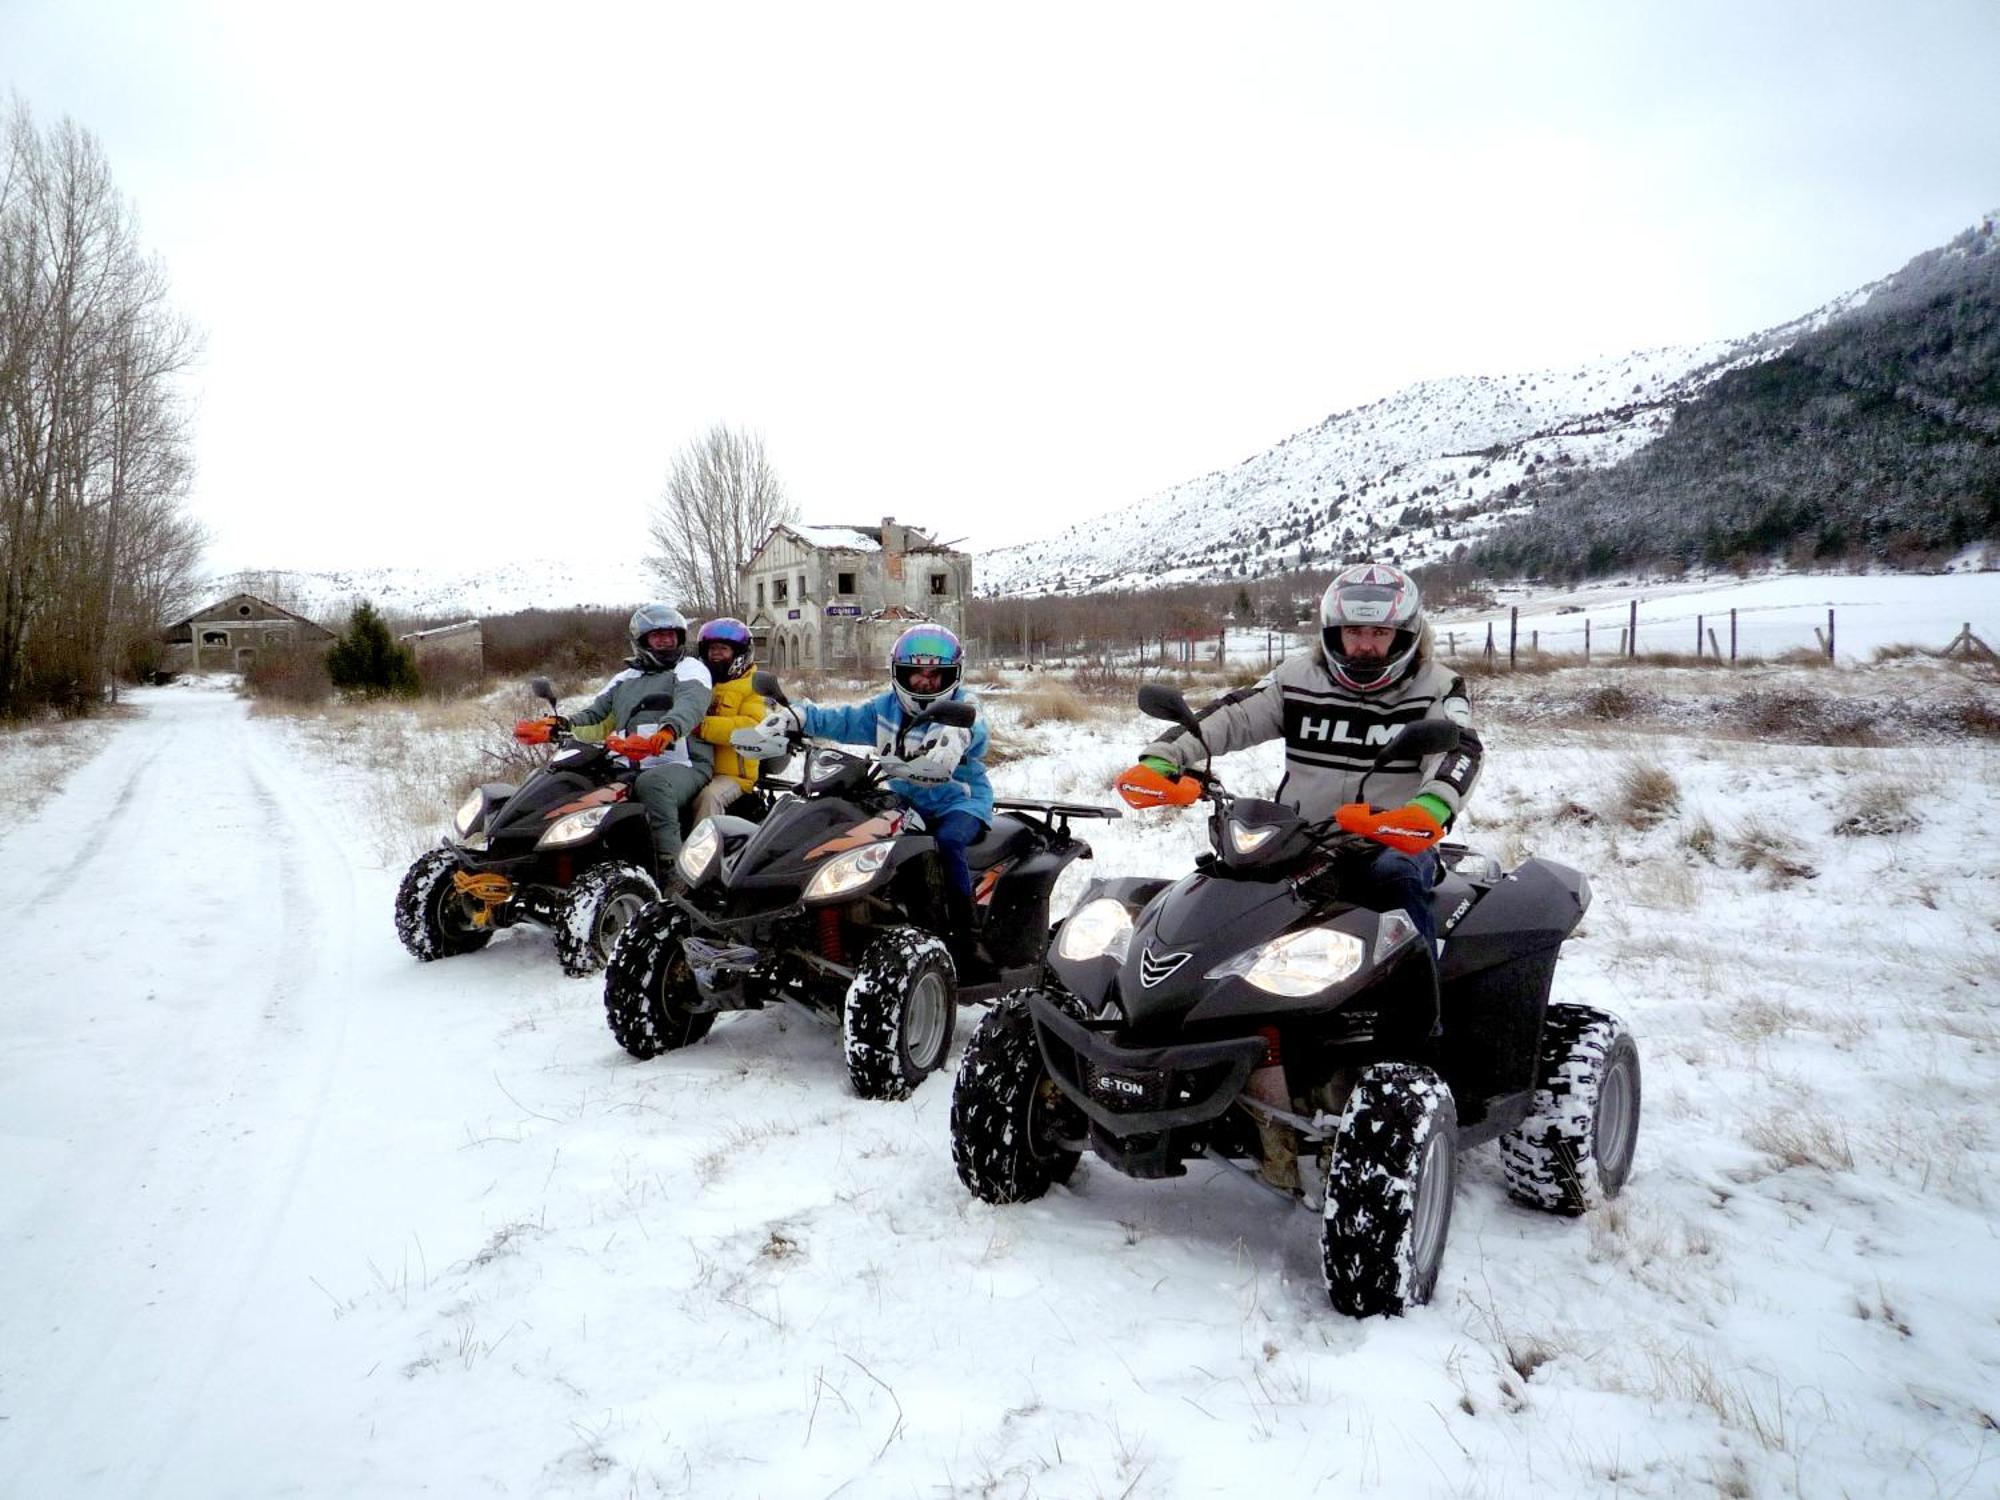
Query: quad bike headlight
[
  {"x": 468, "y": 814},
  {"x": 1103, "y": 929},
  {"x": 699, "y": 854},
  {"x": 1246, "y": 840},
  {"x": 1299, "y": 963},
  {"x": 848, "y": 873},
  {"x": 573, "y": 828}
]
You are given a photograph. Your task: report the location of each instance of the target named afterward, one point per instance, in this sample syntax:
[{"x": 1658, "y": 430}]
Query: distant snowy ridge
[
  {"x": 1408, "y": 478},
  {"x": 404, "y": 593}
]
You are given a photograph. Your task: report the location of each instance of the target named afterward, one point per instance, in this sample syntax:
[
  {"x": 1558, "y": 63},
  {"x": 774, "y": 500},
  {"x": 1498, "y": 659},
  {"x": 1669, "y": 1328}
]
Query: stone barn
[
  {"x": 838, "y": 596},
  {"x": 227, "y": 635}
]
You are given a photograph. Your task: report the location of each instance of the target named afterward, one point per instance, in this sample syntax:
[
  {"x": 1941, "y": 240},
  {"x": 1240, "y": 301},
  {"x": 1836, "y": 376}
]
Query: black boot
[{"x": 962, "y": 939}]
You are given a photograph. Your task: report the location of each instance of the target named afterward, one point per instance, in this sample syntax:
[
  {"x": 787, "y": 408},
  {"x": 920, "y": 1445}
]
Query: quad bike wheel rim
[
  {"x": 454, "y": 912},
  {"x": 927, "y": 1019},
  {"x": 1433, "y": 1207},
  {"x": 1612, "y": 1130},
  {"x": 619, "y": 913}
]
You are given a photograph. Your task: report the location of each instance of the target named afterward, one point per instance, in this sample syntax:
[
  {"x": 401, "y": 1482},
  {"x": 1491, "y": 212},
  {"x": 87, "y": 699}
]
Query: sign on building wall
[
  {"x": 843, "y": 609},
  {"x": 791, "y": 614}
]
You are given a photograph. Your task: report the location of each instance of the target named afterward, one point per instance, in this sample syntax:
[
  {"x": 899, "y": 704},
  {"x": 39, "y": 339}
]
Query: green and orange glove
[
  {"x": 534, "y": 731},
  {"x": 640, "y": 746},
  {"x": 1411, "y": 828}
]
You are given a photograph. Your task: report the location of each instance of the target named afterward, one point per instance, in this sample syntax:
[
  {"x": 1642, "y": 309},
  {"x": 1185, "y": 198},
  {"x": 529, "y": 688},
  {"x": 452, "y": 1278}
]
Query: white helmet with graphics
[{"x": 1371, "y": 596}]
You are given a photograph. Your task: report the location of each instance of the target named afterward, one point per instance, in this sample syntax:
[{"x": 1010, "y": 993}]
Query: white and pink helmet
[{"x": 1371, "y": 594}]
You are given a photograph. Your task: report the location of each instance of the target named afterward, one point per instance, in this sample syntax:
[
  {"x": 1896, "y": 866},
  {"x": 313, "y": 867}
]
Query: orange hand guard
[
  {"x": 639, "y": 746},
  {"x": 533, "y": 731},
  {"x": 1142, "y": 786},
  {"x": 1410, "y": 828}
]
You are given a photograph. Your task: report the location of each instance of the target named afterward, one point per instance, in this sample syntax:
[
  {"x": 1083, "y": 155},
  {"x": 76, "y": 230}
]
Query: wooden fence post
[
  {"x": 1697, "y": 637},
  {"x": 1513, "y": 632},
  {"x": 1632, "y": 631},
  {"x": 1732, "y": 635},
  {"x": 1586, "y": 640},
  {"x": 1713, "y": 647},
  {"x": 1489, "y": 643},
  {"x": 1829, "y": 635}
]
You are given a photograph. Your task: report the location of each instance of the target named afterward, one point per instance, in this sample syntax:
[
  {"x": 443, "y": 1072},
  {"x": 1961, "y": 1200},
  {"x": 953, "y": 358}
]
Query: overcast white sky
[{"x": 470, "y": 273}]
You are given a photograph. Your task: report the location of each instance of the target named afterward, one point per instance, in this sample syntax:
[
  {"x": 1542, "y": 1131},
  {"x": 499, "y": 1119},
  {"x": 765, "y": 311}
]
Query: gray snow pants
[{"x": 665, "y": 790}]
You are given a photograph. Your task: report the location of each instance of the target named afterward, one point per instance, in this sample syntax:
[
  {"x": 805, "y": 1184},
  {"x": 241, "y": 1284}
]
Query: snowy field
[{"x": 283, "y": 1212}]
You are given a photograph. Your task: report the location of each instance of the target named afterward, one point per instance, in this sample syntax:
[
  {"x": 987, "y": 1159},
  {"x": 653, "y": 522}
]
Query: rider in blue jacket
[{"x": 945, "y": 775}]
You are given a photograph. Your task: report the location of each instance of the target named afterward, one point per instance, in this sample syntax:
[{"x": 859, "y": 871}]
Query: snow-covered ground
[{"x": 284, "y": 1212}]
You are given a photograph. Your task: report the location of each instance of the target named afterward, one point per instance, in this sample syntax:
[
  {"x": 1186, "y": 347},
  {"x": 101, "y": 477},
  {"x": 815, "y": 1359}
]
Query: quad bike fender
[
  {"x": 1529, "y": 910},
  {"x": 1493, "y": 985}
]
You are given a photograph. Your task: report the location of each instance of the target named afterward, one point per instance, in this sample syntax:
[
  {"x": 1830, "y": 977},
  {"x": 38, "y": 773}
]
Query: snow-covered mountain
[
  {"x": 1408, "y": 478},
  {"x": 403, "y": 593}
]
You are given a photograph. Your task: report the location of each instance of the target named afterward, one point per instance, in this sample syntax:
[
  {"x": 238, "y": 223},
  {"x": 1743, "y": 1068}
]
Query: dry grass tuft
[
  {"x": 1052, "y": 702},
  {"x": 1794, "y": 1137},
  {"x": 1876, "y": 808},
  {"x": 1647, "y": 794},
  {"x": 1758, "y": 846},
  {"x": 1700, "y": 839}
]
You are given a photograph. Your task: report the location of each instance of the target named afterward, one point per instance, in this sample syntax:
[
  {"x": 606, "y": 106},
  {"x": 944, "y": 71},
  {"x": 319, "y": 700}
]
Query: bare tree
[
  {"x": 720, "y": 500},
  {"x": 93, "y": 447}
]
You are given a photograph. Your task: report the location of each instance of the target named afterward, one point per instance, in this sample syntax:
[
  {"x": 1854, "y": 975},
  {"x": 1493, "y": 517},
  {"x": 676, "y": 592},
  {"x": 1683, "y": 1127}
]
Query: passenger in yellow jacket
[{"x": 723, "y": 646}]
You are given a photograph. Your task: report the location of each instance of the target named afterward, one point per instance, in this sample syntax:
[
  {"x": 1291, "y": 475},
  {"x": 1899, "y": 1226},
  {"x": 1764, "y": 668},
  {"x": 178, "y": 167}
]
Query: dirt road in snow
[{"x": 201, "y": 1011}]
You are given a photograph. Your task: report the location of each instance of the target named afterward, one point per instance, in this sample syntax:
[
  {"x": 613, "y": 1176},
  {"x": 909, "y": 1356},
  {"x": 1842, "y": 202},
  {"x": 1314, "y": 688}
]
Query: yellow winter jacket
[{"x": 736, "y": 706}]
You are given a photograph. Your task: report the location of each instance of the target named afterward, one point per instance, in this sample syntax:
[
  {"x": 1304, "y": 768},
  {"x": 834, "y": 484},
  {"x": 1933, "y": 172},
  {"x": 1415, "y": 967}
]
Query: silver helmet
[
  {"x": 645, "y": 620},
  {"x": 1373, "y": 594}
]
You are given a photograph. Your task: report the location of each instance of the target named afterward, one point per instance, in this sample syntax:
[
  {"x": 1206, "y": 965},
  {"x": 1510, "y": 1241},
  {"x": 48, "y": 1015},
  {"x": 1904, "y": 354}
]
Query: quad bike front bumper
[{"x": 1132, "y": 1091}]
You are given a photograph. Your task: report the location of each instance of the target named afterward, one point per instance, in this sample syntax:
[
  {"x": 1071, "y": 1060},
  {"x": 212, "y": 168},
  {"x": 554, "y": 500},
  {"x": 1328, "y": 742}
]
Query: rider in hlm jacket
[{"x": 1335, "y": 707}]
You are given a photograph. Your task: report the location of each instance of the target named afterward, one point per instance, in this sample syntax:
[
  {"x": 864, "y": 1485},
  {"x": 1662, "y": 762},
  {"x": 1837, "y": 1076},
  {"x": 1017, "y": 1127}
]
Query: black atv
[
  {"x": 568, "y": 849},
  {"x": 1247, "y": 1012},
  {"x": 835, "y": 902}
]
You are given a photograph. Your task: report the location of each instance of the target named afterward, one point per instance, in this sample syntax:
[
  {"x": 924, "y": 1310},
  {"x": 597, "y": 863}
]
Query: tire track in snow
[
  {"x": 177, "y": 890},
  {"x": 309, "y": 969}
]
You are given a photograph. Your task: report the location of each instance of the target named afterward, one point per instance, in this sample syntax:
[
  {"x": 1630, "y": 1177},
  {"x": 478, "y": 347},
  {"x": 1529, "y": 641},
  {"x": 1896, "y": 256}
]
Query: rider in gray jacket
[
  {"x": 661, "y": 696},
  {"x": 1335, "y": 706}
]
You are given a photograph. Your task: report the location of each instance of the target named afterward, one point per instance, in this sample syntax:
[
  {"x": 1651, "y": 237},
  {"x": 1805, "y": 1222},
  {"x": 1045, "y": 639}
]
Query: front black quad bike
[
  {"x": 567, "y": 849},
  {"x": 836, "y": 902},
  {"x": 1247, "y": 1012}
]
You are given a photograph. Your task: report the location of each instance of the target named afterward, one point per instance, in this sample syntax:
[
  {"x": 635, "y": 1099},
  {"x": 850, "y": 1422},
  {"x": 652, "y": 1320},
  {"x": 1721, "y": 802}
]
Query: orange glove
[
  {"x": 1409, "y": 828},
  {"x": 1142, "y": 786},
  {"x": 639, "y": 746},
  {"x": 534, "y": 731}
]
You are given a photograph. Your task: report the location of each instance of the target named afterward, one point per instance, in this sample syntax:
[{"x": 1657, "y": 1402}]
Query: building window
[
  {"x": 760, "y": 593},
  {"x": 778, "y": 594},
  {"x": 215, "y": 637},
  {"x": 802, "y": 586},
  {"x": 846, "y": 583},
  {"x": 938, "y": 582}
]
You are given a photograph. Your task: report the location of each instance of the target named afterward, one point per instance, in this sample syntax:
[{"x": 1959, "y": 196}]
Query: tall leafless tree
[
  {"x": 720, "y": 500},
  {"x": 94, "y": 544}
]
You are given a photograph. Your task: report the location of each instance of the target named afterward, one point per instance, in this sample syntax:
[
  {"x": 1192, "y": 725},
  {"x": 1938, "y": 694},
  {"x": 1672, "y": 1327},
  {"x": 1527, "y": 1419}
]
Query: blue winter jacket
[{"x": 876, "y": 721}]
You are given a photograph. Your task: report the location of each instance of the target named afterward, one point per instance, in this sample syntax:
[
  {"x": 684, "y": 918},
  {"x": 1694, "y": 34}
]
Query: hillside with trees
[{"x": 1873, "y": 440}]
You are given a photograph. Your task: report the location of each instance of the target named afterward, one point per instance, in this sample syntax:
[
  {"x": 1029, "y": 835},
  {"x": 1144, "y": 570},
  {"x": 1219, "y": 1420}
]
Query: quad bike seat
[{"x": 1007, "y": 837}]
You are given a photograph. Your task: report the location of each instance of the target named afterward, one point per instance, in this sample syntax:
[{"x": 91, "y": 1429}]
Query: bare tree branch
[{"x": 721, "y": 499}]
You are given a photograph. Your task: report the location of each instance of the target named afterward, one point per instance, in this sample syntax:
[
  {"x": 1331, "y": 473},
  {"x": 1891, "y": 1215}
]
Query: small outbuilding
[
  {"x": 227, "y": 636},
  {"x": 460, "y": 648}
]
